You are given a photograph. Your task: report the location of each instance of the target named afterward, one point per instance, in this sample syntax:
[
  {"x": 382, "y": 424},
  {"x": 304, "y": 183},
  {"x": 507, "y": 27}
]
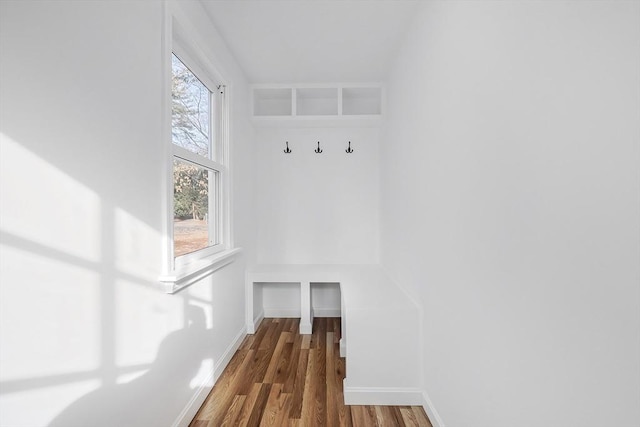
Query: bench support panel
[
  {"x": 306, "y": 316},
  {"x": 306, "y": 312}
]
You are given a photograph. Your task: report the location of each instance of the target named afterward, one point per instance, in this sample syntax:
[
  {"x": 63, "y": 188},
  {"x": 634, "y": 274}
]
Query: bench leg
[
  {"x": 248, "y": 303},
  {"x": 250, "y": 321},
  {"x": 305, "y": 308}
]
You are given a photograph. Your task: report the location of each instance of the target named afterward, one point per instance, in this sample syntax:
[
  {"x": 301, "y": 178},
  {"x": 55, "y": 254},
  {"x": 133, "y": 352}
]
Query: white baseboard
[
  {"x": 326, "y": 312},
  {"x": 228, "y": 354},
  {"x": 195, "y": 403},
  {"x": 384, "y": 396},
  {"x": 433, "y": 415},
  {"x": 295, "y": 312},
  {"x": 343, "y": 347},
  {"x": 251, "y": 329},
  {"x": 281, "y": 312},
  {"x": 203, "y": 390}
]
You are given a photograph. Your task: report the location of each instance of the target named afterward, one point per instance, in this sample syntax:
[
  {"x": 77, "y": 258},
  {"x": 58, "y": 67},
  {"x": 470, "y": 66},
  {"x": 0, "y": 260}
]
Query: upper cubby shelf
[
  {"x": 272, "y": 102},
  {"x": 317, "y": 105},
  {"x": 361, "y": 100},
  {"x": 321, "y": 101}
]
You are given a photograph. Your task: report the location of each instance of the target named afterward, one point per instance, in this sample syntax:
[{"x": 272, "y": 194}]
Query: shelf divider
[{"x": 294, "y": 102}]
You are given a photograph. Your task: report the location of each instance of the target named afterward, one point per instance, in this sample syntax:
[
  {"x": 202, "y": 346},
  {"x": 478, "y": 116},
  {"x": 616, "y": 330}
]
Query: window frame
[
  {"x": 215, "y": 202},
  {"x": 179, "y": 272}
]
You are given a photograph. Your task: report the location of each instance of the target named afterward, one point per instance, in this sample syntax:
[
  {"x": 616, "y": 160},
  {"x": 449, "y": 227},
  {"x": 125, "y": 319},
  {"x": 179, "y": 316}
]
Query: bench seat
[{"x": 380, "y": 323}]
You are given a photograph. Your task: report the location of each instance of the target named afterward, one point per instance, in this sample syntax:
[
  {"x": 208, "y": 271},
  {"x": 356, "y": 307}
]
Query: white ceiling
[{"x": 312, "y": 41}]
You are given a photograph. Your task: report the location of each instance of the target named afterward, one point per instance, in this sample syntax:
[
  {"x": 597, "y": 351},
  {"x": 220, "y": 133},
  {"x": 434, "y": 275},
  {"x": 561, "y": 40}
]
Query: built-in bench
[{"x": 380, "y": 323}]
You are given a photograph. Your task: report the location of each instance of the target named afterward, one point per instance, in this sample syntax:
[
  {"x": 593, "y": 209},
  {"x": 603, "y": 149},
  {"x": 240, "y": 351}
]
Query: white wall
[
  {"x": 510, "y": 208},
  {"x": 317, "y": 208},
  {"x": 81, "y": 313}
]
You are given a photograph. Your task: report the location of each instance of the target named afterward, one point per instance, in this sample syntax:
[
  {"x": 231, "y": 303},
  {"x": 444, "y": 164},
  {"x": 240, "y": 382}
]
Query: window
[
  {"x": 195, "y": 121},
  {"x": 198, "y": 238}
]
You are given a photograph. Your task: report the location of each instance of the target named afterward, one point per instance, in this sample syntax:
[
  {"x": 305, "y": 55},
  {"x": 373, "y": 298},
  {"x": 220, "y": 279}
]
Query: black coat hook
[
  {"x": 287, "y": 150},
  {"x": 318, "y": 150},
  {"x": 349, "y": 150}
]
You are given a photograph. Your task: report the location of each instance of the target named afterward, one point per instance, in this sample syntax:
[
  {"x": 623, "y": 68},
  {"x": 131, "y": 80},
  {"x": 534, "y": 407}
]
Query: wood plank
[
  {"x": 308, "y": 397},
  {"x": 278, "y": 332},
  {"x": 409, "y": 416},
  {"x": 293, "y": 363},
  {"x": 380, "y": 416},
  {"x": 300, "y": 384},
  {"x": 329, "y": 322},
  {"x": 259, "y": 405},
  {"x": 363, "y": 416},
  {"x": 397, "y": 416},
  {"x": 249, "y": 404},
  {"x": 421, "y": 416},
  {"x": 232, "y": 413},
  {"x": 306, "y": 342},
  {"x": 275, "y": 359},
  {"x": 277, "y": 407},
  {"x": 260, "y": 333},
  {"x": 337, "y": 330},
  {"x": 283, "y": 414},
  {"x": 292, "y": 325},
  {"x": 313, "y": 343},
  {"x": 319, "y": 335},
  {"x": 320, "y": 389},
  {"x": 295, "y": 328},
  {"x": 247, "y": 342},
  {"x": 389, "y": 416},
  {"x": 265, "y": 342},
  {"x": 282, "y": 370},
  {"x": 256, "y": 369},
  {"x": 333, "y": 418}
]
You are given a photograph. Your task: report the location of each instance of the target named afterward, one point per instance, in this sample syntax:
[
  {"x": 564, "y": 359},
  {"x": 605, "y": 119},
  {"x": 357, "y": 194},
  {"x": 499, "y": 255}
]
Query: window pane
[
  {"x": 190, "y": 110},
  {"x": 193, "y": 187}
]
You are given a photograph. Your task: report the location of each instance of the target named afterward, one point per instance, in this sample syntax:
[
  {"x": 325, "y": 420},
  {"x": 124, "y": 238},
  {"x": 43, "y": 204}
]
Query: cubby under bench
[{"x": 379, "y": 320}]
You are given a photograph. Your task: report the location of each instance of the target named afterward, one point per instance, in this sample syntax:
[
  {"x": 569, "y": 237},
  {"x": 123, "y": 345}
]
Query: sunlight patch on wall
[
  {"x": 128, "y": 377},
  {"x": 204, "y": 377},
  {"x": 71, "y": 222},
  {"x": 133, "y": 238},
  {"x": 203, "y": 315}
]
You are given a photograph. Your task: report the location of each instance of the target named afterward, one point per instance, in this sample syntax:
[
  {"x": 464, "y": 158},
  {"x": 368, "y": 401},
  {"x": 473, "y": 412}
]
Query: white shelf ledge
[
  {"x": 317, "y": 121},
  {"x": 179, "y": 279}
]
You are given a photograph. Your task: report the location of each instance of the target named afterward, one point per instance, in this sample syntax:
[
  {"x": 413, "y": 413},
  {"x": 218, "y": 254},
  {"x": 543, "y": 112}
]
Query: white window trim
[{"x": 189, "y": 268}]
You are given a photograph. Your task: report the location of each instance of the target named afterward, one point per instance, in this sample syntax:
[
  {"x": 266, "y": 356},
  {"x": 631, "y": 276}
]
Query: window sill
[{"x": 179, "y": 279}]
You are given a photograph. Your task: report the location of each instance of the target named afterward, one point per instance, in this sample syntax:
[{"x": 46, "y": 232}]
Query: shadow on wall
[
  {"x": 79, "y": 315},
  {"x": 124, "y": 404},
  {"x": 81, "y": 228}
]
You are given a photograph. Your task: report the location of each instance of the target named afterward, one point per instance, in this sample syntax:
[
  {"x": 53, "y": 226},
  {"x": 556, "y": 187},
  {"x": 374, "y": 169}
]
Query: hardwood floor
[{"x": 281, "y": 378}]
